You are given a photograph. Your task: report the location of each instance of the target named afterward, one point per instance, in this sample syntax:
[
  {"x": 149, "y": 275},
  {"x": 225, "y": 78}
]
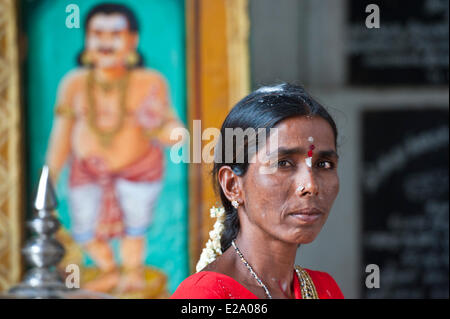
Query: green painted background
[{"x": 52, "y": 52}]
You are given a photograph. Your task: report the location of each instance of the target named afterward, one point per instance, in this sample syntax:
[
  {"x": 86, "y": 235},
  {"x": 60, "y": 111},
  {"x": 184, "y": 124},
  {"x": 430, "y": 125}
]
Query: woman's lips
[{"x": 307, "y": 215}]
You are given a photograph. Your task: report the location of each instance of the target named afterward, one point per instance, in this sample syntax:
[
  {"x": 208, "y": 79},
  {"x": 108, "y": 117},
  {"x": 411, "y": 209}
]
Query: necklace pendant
[
  {"x": 107, "y": 87},
  {"x": 105, "y": 140}
]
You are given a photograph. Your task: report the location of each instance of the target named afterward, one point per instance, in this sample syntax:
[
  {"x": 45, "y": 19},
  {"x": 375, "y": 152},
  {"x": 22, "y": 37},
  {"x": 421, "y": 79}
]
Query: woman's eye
[
  {"x": 325, "y": 164},
  {"x": 284, "y": 163}
]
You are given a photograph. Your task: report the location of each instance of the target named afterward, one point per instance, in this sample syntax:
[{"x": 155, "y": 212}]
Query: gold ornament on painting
[
  {"x": 86, "y": 59},
  {"x": 106, "y": 136},
  {"x": 132, "y": 59}
]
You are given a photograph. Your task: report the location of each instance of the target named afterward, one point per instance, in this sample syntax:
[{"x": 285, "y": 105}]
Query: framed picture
[{"x": 98, "y": 90}]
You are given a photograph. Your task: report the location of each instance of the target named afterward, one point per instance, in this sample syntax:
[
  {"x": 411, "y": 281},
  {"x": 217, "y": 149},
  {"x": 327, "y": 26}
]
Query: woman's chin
[
  {"x": 305, "y": 241},
  {"x": 305, "y": 238}
]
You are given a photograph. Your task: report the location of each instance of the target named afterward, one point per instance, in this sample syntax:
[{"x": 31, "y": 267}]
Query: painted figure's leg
[
  {"x": 85, "y": 204},
  {"x": 103, "y": 256},
  {"x": 137, "y": 201},
  {"x": 132, "y": 251}
]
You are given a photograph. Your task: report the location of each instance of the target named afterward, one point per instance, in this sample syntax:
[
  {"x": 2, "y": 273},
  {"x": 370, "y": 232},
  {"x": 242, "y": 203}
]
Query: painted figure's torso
[{"x": 130, "y": 143}]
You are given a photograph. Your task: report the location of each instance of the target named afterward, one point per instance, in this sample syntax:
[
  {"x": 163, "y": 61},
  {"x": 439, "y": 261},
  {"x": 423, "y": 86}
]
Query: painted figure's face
[
  {"x": 292, "y": 203},
  {"x": 109, "y": 41}
]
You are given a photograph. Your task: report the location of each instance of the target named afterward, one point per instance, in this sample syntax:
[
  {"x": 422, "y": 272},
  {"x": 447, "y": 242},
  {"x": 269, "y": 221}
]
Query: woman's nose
[{"x": 306, "y": 183}]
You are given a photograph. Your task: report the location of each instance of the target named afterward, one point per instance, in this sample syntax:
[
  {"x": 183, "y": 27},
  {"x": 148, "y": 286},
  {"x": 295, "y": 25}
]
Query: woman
[{"x": 271, "y": 206}]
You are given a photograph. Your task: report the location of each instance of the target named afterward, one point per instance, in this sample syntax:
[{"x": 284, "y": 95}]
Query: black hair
[
  {"x": 113, "y": 8},
  {"x": 263, "y": 108}
]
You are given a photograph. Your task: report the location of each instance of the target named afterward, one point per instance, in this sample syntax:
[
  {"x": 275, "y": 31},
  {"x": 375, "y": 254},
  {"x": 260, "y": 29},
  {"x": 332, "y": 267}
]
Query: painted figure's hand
[{"x": 150, "y": 113}]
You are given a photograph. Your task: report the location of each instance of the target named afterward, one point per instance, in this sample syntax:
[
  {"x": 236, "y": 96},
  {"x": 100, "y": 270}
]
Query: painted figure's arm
[
  {"x": 171, "y": 122},
  {"x": 158, "y": 116},
  {"x": 60, "y": 139}
]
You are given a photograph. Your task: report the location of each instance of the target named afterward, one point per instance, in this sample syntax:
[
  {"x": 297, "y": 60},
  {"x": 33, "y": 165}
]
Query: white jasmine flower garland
[{"x": 213, "y": 248}]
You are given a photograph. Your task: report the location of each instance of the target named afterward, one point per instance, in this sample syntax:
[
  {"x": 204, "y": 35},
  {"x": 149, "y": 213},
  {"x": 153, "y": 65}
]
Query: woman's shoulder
[
  {"x": 326, "y": 286},
  {"x": 211, "y": 285}
]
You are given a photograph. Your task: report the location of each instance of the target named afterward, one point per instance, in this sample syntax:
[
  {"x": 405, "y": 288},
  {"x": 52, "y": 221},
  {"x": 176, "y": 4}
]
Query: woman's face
[
  {"x": 108, "y": 40},
  {"x": 292, "y": 202}
]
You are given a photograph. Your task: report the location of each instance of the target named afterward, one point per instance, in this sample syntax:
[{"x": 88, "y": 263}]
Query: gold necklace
[
  {"x": 108, "y": 86},
  {"x": 307, "y": 288},
  {"x": 306, "y": 284},
  {"x": 106, "y": 136}
]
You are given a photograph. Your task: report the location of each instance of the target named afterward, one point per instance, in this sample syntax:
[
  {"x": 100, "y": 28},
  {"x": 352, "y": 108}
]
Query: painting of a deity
[{"x": 107, "y": 134}]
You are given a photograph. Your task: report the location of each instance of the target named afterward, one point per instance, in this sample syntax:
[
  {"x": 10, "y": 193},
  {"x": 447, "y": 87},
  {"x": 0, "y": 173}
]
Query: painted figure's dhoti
[{"x": 105, "y": 205}]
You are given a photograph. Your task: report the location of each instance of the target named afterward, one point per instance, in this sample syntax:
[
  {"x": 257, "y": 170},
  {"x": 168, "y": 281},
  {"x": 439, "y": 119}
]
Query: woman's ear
[{"x": 231, "y": 184}]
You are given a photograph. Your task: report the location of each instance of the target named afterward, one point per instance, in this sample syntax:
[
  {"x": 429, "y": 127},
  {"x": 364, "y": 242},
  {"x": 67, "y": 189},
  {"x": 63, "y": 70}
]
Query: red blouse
[{"x": 213, "y": 285}]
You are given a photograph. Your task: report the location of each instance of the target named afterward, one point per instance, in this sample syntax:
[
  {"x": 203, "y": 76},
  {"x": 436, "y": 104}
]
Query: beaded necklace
[
  {"x": 308, "y": 290},
  {"x": 106, "y": 136}
]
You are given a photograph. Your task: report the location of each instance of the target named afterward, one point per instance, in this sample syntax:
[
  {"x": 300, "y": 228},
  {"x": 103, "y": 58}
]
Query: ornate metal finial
[
  {"x": 43, "y": 252},
  {"x": 45, "y": 195}
]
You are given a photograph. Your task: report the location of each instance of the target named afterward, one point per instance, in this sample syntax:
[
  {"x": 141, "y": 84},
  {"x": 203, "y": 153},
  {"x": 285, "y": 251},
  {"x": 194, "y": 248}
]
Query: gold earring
[
  {"x": 86, "y": 59},
  {"x": 132, "y": 59}
]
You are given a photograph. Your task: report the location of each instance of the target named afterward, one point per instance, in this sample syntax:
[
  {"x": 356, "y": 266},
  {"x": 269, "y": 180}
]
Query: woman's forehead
[
  {"x": 299, "y": 131},
  {"x": 108, "y": 22}
]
